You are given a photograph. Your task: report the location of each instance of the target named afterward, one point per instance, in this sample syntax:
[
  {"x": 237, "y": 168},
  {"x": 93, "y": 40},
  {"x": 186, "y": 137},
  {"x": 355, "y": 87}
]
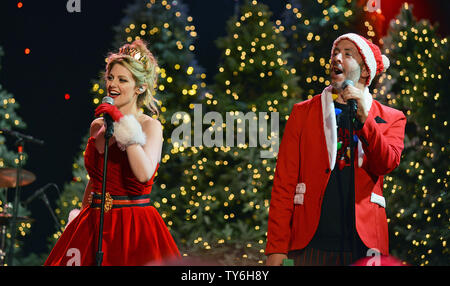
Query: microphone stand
[
  {"x": 44, "y": 198},
  {"x": 41, "y": 194},
  {"x": 353, "y": 108},
  {"x": 108, "y": 134},
  {"x": 10, "y": 255}
]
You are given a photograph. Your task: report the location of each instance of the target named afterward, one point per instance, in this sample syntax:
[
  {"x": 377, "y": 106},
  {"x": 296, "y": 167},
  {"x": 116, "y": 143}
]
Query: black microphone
[
  {"x": 108, "y": 120},
  {"x": 351, "y": 102},
  {"x": 39, "y": 192}
]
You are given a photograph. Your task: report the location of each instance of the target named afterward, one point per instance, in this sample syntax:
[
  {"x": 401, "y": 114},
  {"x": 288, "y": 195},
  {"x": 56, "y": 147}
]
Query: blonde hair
[{"x": 144, "y": 70}]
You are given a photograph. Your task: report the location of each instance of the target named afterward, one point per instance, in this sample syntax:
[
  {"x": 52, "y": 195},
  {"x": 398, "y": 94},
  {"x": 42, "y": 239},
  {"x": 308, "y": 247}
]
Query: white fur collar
[{"x": 330, "y": 126}]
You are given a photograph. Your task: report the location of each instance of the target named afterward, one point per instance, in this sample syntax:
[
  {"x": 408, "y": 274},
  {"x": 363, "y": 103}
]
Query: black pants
[
  {"x": 310, "y": 256},
  {"x": 314, "y": 257}
]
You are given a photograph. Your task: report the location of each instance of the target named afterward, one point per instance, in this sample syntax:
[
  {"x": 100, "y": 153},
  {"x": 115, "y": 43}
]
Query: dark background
[{"x": 67, "y": 52}]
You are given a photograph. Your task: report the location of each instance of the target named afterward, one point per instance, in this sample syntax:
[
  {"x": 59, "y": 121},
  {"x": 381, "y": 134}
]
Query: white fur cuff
[{"x": 128, "y": 131}]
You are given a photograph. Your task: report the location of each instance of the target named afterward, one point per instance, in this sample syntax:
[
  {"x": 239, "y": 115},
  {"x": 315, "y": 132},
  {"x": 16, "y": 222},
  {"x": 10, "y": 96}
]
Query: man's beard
[{"x": 353, "y": 75}]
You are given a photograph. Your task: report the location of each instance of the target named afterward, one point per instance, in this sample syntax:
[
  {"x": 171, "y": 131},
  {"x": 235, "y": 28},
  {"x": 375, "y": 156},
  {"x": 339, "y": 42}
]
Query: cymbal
[
  {"x": 5, "y": 218},
  {"x": 8, "y": 177}
]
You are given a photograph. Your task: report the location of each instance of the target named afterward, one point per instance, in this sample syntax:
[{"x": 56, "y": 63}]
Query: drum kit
[
  {"x": 15, "y": 178},
  {"x": 8, "y": 179}
]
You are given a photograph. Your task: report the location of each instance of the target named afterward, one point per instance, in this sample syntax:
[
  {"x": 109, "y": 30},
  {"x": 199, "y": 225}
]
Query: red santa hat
[{"x": 375, "y": 62}]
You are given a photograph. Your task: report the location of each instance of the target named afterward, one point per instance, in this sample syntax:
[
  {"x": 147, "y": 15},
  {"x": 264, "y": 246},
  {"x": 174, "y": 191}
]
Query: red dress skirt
[{"x": 132, "y": 235}]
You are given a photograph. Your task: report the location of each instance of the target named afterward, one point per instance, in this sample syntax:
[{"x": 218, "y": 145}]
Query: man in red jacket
[{"x": 317, "y": 215}]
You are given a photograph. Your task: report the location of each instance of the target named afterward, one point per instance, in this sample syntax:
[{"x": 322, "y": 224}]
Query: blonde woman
[{"x": 133, "y": 231}]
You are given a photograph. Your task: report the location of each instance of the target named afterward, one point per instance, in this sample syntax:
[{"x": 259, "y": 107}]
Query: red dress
[{"x": 132, "y": 235}]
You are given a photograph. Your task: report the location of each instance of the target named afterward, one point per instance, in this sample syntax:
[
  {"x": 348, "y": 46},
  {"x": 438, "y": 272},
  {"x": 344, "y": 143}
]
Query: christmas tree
[
  {"x": 220, "y": 211},
  {"x": 10, "y": 120},
  {"x": 416, "y": 83},
  {"x": 9, "y": 158},
  {"x": 311, "y": 27}
]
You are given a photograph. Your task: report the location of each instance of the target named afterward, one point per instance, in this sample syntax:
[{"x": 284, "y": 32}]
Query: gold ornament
[{"x": 108, "y": 202}]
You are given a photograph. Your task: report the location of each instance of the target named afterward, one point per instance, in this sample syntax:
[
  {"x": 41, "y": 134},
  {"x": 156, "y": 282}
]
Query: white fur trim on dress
[{"x": 128, "y": 131}]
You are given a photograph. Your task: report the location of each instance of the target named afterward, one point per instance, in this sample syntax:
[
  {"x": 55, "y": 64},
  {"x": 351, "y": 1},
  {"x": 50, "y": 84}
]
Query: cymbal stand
[
  {"x": 10, "y": 255},
  {"x": 3, "y": 233},
  {"x": 2, "y": 246}
]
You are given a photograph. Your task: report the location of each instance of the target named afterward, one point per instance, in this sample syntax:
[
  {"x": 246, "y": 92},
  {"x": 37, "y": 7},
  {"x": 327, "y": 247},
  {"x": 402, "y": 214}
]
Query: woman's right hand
[
  {"x": 275, "y": 259},
  {"x": 112, "y": 110}
]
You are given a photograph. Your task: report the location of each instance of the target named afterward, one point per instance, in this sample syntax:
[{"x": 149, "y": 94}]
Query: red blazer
[{"x": 307, "y": 154}]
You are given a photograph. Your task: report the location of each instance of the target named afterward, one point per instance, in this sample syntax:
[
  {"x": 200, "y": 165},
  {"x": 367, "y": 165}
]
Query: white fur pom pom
[
  {"x": 386, "y": 62},
  {"x": 128, "y": 131}
]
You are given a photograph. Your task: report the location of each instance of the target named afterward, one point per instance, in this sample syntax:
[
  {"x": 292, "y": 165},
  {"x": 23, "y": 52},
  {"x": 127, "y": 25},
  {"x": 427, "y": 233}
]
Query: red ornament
[{"x": 341, "y": 164}]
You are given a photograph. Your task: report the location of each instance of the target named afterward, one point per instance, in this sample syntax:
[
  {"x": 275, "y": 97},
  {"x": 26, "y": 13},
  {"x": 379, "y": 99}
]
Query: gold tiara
[{"x": 135, "y": 54}]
